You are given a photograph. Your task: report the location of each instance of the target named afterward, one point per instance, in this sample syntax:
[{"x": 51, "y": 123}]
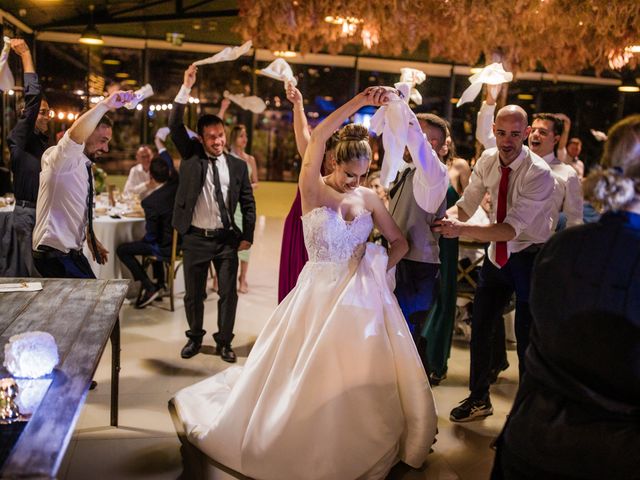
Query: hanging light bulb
[{"x": 91, "y": 36}]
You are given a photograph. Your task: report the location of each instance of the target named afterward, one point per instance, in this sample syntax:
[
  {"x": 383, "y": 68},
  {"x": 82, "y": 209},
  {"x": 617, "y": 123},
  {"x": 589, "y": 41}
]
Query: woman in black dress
[{"x": 577, "y": 411}]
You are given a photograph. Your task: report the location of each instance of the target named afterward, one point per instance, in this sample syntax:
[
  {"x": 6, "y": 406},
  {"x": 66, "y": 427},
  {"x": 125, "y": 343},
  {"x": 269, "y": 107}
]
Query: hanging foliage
[{"x": 561, "y": 35}]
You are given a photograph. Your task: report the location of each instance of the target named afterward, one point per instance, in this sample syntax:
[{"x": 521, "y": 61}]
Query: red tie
[{"x": 501, "y": 247}]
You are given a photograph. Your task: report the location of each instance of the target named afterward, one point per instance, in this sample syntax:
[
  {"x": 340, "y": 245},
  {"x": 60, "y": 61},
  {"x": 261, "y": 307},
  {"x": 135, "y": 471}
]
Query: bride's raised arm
[{"x": 310, "y": 180}]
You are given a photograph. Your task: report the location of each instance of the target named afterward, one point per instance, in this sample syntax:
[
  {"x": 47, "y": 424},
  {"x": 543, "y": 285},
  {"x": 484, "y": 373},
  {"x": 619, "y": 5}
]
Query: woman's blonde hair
[
  {"x": 353, "y": 143},
  {"x": 615, "y": 186}
]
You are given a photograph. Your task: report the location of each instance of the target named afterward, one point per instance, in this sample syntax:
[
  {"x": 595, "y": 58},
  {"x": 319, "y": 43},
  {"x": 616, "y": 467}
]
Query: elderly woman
[{"x": 577, "y": 411}]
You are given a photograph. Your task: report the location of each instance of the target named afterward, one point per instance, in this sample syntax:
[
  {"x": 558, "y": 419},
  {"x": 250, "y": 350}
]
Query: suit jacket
[
  {"x": 158, "y": 212},
  {"x": 193, "y": 173},
  {"x": 27, "y": 146}
]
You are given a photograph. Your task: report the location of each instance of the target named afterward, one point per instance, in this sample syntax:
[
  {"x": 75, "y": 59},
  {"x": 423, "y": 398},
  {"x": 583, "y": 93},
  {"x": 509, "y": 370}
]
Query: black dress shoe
[
  {"x": 226, "y": 353},
  {"x": 190, "y": 349}
]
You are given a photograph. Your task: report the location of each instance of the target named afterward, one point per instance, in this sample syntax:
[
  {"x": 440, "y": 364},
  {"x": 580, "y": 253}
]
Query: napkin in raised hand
[
  {"x": 139, "y": 95},
  {"x": 392, "y": 121},
  {"x": 7, "y": 81},
  {"x": 493, "y": 74},
  {"x": 280, "y": 70},
  {"x": 226, "y": 55},
  {"x": 413, "y": 77},
  {"x": 253, "y": 103},
  {"x": 598, "y": 135}
]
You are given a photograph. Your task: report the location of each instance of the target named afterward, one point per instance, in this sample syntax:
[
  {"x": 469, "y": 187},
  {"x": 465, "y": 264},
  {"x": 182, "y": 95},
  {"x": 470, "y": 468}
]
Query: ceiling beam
[
  {"x": 196, "y": 5},
  {"x": 83, "y": 20}
]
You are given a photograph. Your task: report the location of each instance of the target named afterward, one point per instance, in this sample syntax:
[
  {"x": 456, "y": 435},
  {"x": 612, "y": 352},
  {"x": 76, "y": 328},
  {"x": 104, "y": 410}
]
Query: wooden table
[{"x": 81, "y": 315}]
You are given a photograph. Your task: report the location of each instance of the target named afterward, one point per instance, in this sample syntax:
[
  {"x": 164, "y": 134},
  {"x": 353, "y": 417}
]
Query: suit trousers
[
  {"x": 495, "y": 287},
  {"x": 198, "y": 252},
  {"x": 127, "y": 253}
]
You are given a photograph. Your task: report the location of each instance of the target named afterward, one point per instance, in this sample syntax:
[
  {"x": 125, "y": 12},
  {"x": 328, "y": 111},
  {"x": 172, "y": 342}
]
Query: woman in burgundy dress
[{"x": 293, "y": 254}]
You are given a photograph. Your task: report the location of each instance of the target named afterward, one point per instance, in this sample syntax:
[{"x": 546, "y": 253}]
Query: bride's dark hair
[{"x": 353, "y": 143}]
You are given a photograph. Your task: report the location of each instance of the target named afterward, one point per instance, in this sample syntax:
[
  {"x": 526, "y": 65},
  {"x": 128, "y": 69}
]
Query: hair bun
[
  {"x": 609, "y": 189},
  {"x": 353, "y": 132}
]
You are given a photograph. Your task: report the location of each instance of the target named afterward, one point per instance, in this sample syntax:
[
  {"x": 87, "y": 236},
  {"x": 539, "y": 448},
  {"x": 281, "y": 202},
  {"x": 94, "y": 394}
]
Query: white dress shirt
[
  {"x": 530, "y": 189},
  {"x": 567, "y": 194},
  {"x": 206, "y": 213},
  {"x": 61, "y": 214},
  {"x": 137, "y": 182},
  {"x": 573, "y": 162}
]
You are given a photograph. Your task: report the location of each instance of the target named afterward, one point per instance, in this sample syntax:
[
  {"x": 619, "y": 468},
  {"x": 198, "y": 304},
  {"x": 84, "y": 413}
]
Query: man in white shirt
[
  {"x": 520, "y": 184},
  {"x": 416, "y": 200},
  {"x": 546, "y": 130},
  {"x": 569, "y": 155},
  {"x": 139, "y": 181},
  {"x": 64, "y": 207}
]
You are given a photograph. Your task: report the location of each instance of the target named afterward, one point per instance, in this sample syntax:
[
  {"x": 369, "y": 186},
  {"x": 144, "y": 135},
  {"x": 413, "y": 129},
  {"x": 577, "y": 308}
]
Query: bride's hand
[{"x": 378, "y": 96}]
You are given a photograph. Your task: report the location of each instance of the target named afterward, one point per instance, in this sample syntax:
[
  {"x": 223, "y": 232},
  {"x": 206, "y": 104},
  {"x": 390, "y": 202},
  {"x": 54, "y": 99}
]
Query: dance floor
[{"x": 145, "y": 445}]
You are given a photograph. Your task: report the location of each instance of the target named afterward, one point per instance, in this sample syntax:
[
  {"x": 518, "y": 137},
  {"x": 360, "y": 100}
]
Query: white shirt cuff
[{"x": 183, "y": 95}]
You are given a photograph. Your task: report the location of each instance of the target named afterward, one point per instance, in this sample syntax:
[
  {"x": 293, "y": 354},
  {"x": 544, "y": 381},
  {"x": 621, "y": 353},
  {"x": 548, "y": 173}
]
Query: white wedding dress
[{"x": 334, "y": 388}]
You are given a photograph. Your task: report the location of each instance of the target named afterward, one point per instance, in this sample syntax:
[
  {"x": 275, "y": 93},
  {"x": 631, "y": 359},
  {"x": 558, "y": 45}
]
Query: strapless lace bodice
[{"x": 329, "y": 238}]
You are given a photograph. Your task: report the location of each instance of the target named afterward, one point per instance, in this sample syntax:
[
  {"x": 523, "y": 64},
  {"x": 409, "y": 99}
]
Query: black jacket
[
  {"x": 193, "y": 173},
  {"x": 158, "y": 211},
  {"x": 27, "y": 146}
]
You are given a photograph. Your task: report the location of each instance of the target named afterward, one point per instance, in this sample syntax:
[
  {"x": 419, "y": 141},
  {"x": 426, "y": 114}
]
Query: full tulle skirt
[{"x": 333, "y": 388}]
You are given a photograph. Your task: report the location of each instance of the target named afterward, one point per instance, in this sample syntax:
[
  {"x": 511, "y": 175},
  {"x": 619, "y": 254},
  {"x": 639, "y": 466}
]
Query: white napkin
[
  {"x": 493, "y": 74},
  {"x": 598, "y": 135},
  {"x": 392, "y": 121},
  {"x": 226, "y": 55},
  {"x": 163, "y": 133},
  {"x": 7, "y": 81},
  {"x": 279, "y": 69},
  {"x": 20, "y": 287},
  {"x": 413, "y": 77},
  {"x": 139, "y": 96},
  {"x": 253, "y": 103}
]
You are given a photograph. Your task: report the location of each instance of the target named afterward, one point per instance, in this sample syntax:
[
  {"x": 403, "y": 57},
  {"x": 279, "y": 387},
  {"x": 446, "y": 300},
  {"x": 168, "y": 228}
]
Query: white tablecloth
[{"x": 112, "y": 232}]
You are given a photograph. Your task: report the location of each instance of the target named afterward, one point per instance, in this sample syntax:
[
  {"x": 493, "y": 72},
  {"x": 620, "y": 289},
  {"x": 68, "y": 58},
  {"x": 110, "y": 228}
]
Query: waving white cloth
[
  {"x": 493, "y": 74},
  {"x": 598, "y": 135},
  {"x": 400, "y": 128},
  {"x": 413, "y": 77},
  {"x": 279, "y": 69},
  {"x": 6, "y": 77},
  {"x": 140, "y": 95},
  {"x": 226, "y": 55},
  {"x": 253, "y": 103}
]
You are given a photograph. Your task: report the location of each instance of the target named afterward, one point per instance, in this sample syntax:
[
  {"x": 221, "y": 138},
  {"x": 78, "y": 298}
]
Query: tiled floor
[{"x": 145, "y": 445}]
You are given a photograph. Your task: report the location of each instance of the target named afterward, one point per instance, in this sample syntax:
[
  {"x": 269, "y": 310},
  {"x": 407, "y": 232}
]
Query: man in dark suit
[
  {"x": 212, "y": 183},
  {"x": 27, "y": 142},
  {"x": 158, "y": 211}
]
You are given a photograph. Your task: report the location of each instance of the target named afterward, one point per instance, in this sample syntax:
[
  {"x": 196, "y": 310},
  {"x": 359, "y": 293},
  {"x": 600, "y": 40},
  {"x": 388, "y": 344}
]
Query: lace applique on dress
[{"x": 330, "y": 238}]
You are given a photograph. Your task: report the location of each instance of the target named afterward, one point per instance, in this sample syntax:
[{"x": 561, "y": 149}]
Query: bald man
[
  {"x": 521, "y": 186},
  {"x": 139, "y": 181}
]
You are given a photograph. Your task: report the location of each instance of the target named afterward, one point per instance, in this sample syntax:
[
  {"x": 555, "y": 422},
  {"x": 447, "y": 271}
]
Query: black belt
[
  {"x": 210, "y": 233},
  {"x": 25, "y": 204},
  {"x": 46, "y": 252}
]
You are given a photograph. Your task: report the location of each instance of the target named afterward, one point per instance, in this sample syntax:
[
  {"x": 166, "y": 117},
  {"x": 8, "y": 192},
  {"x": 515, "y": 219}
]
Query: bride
[{"x": 334, "y": 388}]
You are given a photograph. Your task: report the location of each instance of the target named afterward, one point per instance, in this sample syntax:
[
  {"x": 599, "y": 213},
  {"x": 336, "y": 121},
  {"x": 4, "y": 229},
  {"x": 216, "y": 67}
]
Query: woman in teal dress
[
  {"x": 238, "y": 142},
  {"x": 438, "y": 328}
]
